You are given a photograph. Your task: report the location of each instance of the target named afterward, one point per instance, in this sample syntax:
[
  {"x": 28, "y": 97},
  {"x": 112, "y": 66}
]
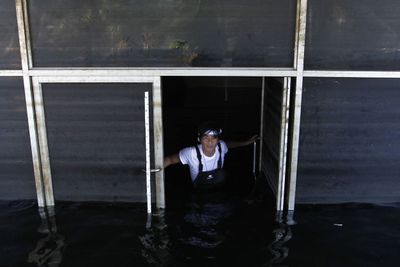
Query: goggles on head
[
  {"x": 208, "y": 128},
  {"x": 213, "y": 132}
]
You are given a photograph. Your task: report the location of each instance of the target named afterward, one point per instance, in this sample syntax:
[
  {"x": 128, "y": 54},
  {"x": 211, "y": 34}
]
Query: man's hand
[{"x": 253, "y": 139}]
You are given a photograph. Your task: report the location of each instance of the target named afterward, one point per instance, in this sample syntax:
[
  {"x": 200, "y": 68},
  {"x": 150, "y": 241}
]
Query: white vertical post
[
  {"x": 254, "y": 157},
  {"x": 34, "y": 141},
  {"x": 299, "y": 65},
  {"x": 24, "y": 35},
  {"x": 283, "y": 143},
  {"x": 261, "y": 124},
  {"x": 147, "y": 137},
  {"x": 42, "y": 138},
  {"x": 26, "y": 63},
  {"x": 158, "y": 142}
]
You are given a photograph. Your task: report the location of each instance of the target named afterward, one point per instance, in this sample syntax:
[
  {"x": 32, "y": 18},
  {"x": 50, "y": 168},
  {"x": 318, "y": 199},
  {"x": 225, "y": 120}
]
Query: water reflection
[
  {"x": 49, "y": 249},
  {"x": 156, "y": 242},
  {"x": 281, "y": 235},
  {"x": 195, "y": 231},
  {"x": 204, "y": 221},
  {"x": 241, "y": 235},
  {"x": 214, "y": 231},
  {"x": 206, "y": 230}
]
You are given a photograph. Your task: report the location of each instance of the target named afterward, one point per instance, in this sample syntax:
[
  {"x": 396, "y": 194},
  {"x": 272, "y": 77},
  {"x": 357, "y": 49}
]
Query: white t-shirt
[{"x": 188, "y": 156}]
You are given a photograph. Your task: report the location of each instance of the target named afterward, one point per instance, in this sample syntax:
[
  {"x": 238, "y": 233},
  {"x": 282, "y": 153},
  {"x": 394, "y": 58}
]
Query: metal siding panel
[
  {"x": 16, "y": 176},
  {"x": 175, "y": 33},
  {"x": 353, "y": 35},
  {"x": 96, "y": 141},
  {"x": 272, "y": 131},
  {"x": 350, "y": 141},
  {"x": 9, "y": 44}
]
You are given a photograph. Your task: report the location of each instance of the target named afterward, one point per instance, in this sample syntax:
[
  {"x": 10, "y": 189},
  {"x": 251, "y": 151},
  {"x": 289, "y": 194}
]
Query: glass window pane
[
  {"x": 232, "y": 33},
  {"x": 16, "y": 176},
  {"x": 9, "y": 43},
  {"x": 353, "y": 35}
]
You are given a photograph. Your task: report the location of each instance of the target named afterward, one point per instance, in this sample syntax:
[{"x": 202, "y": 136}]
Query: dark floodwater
[{"x": 219, "y": 230}]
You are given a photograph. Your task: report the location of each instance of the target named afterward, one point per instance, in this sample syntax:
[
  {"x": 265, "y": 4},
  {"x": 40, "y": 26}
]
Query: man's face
[{"x": 208, "y": 143}]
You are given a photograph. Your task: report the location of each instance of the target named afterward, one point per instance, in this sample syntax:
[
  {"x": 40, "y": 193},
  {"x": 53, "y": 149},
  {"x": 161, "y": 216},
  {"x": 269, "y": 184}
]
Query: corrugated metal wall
[
  {"x": 234, "y": 33},
  {"x": 272, "y": 130},
  {"x": 342, "y": 156},
  {"x": 96, "y": 140},
  {"x": 349, "y": 141},
  {"x": 16, "y": 168},
  {"x": 353, "y": 35},
  {"x": 9, "y": 43}
]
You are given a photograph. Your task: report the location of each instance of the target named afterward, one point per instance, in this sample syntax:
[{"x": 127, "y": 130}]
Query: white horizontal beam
[
  {"x": 254, "y": 72},
  {"x": 351, "y": 74},
  {"x": 240, "y": 72},
  {"x": 10, "y": 73},
  {"x": 94, "y": 79}
]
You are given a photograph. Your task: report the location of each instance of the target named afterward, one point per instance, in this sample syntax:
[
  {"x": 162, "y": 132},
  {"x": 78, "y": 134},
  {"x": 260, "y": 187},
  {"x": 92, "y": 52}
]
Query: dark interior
[{"x": 232, "y": 102}]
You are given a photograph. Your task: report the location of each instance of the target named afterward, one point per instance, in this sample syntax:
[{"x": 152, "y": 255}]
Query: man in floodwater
[{"x": 206, "y": 159}]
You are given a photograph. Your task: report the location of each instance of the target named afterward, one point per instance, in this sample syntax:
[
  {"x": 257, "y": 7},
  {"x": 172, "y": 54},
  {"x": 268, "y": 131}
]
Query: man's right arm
[{"x": 171, "y": 159}]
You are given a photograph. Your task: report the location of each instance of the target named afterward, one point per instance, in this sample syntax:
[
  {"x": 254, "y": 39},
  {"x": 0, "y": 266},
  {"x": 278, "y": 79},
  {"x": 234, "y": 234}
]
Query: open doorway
[
  {"x": 243, "y": 106},
  {"x": 232, "y": 102}
]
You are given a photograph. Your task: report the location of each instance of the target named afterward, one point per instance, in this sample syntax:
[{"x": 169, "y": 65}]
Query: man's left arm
[{"x": 234, "y": 144}]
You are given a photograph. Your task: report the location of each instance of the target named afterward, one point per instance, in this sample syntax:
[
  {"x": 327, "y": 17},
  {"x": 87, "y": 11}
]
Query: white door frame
[{"x": 43, "y": 179}]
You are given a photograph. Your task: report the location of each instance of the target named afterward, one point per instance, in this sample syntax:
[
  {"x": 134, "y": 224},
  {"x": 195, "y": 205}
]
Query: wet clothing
[{"x": 205, "y": 171}]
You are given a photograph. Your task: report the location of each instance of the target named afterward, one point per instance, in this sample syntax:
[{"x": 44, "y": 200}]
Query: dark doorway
[{"x": 233, "y": 102}]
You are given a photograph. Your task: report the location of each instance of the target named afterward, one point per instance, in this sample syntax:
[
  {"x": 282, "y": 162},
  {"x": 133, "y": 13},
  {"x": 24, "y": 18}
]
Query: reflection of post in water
[
  {"x": 156, "y": 243},
  {"x": 48, "y": 251},
  {"x": 282, "y": 234}
]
